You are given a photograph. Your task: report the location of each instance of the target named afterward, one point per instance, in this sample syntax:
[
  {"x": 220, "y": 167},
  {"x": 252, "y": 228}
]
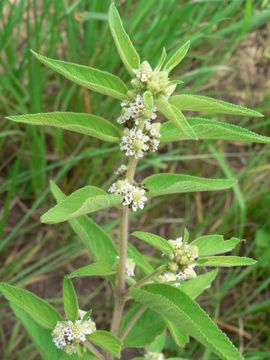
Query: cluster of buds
[
  {"x": 155, "y": 81},
  {"x": 154, "y": 356},
  {"x": 182, "y": 260},
  {"x": 136, "y": 142},
  {"x": 130, "y": 267},
  {"x": 68, "y": 335},
  {"x": 133, "y": 194}
]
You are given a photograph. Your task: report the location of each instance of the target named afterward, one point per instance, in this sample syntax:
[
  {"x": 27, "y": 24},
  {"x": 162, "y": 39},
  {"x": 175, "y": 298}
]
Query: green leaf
[
  {"x": 42, "y": 312},
  {"x": 139, "y": 260},
  {"x": 194, "y": 287},
  {"x": 95, "y": 269},
  {"x": 148, "y": 326},
  {"x": 98, "y": 243},
  {"x": 175, "y": 116},
  {"x": 210, "y": 129},
  {"x": 178, "y": 335},
  {"x": 70, "y": 300},
  {"x": 177, "y": 57},
  {"x": 214, "y": 244},
  {"x": 93, "y": 79},
  {"x": 154, "y": 240},
  {"x": 126, "y": 50},
  {"x": 159, "y": 343},
  {"x": 174, "y": 305},
  {"x": 161, "y": 60},
  {"x": 225, "y": 261},
  {"x": 85, "y": 124},
  {"x": 148, "y": 100},
  {"x": 106, "y": 341},
  {"x": 162, "y": 184},
  {"x": 83, "y": 201},
  {"x": 42, "y": 338},
  {"x": 210, "y": 105}
]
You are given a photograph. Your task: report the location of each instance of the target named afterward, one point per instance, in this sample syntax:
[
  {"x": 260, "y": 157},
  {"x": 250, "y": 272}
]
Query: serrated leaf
[
  {"x": 154, "y": 240},
  {"x": 139, "y": 260},
  {"x": 174, "y": 305},
  {"x": 161, "y": 60},
  {"x": 95, "y": 269},
  {"x": 175, "y": 116},
  {"x": 98, "y": 243},
  {"x": 126, "y": 50},
  {"x": 85, "y": 124},
  {"x": 93, "y": 79},
  {"x": 106, "y": 341},
  {"x": 194, "y": 287},
  {"x": 210, "y": 105},
  {"x": 146, "y": 328},
  {"x": 178, "y": 335},
  {"x": 163, "y": 184},
  {"x": 83, "y": 201},
  {"x": 225, "y": 261},
  {"x": 210, "y": 129},
  {"x": 177, "y": 57},
  {"x": 42, "y": 339},
  {"x": 42, "y": 312},
  {"x": 70, "y": 300},
  {"x": 148, "y": 100},
  {"x": 214, "y": 244}
]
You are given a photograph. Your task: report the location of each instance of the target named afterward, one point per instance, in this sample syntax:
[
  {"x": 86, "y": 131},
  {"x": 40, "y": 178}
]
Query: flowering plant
[{"x": 160, "y": 299}]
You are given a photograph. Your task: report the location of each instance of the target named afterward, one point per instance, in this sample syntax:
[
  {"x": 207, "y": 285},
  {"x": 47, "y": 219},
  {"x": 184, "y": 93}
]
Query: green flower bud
[{"x": 173, "y": 267}]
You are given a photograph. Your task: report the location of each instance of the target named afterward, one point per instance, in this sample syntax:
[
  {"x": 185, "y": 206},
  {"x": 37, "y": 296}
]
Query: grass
[{"x": 35, "y": 255}]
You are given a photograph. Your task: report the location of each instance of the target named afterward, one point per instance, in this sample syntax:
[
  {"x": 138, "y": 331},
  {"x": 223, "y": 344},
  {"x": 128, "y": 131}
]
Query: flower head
[
  {"x": 134, "y": 143},
  {"x": 67, "y": 334},
  {"x": 154, "y": 356},
  {"x": 144, "y": 72}
]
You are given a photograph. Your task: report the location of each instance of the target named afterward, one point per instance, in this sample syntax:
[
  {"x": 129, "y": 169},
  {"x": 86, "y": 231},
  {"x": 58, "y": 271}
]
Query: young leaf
[
  {"x": 161, "y": 60},
  {"x": 214, "y": 244},
  {"x": 194, "y": 287},
  {"x": 175, "y": 116},
  {"x": 95, "y": 269},
  {"x": 148, "y": 100},
  {"x": 126, "y": 50},
  {"x": 174, "y": 305},
  {"x": 42, "y": 312},
  {"x": 93, "y": 79},
  {"x": 139, "y": 260},
  {"x": 177, "y": 57},
  {"x": 85, "y": 124},
  {"x": 146, "y": 328},
  {"x": 178, "y": 335},
  {"x": 210, "y": 129},
  {"x": 225, "y": 261},
  {"x": 154, "y": 240},
  {"x": 83, "y": 201},
  {"x": 98, "y": 243},
  {"x": 210, "y": 105},
  {"x": 70, "y": 300},
  {"x": 162, "y": 184},
  {"x": 106, "y": 341},
  {"x": 42, "y": 338}
]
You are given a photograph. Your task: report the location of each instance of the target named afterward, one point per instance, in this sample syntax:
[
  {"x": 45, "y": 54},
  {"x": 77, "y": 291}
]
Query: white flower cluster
[
  {"x": 144, "y": 72},
  {"x": 181, "y": 266},
  {"x": 136, "y": 142},
  {"x": 134, "y": 196},
  {"x": 130, "y": 267},
  {"x": 67, "y": 334},
  {"x": 154, "y": 356},
  {"x": 135, "y": 111}
]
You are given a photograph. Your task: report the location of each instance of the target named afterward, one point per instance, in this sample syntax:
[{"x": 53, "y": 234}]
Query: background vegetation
[{"x": 228, "y": 59}]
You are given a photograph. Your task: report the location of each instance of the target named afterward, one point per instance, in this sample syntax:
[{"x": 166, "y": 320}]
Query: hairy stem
[{"x": 121, "y": 275}]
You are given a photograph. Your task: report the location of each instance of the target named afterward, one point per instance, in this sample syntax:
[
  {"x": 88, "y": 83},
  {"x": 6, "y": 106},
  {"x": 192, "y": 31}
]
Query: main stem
[{"x": 121, "y": 275}]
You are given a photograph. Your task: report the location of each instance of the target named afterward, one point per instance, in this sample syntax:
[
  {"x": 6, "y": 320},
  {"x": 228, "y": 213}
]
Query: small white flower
[
  {"x": 187, "y": 273},
  {"x": 121, "y": 171},
  {"x": 167, "y": 277},
  {"x": 130, "y": 267},
  {"x": 144, "y": 72},
  {"x": 176, "y": 244}
]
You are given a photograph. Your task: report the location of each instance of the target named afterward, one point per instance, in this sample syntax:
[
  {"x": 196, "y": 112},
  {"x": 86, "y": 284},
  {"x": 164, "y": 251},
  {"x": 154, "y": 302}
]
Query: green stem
[{"x": 121, "y": 275}]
